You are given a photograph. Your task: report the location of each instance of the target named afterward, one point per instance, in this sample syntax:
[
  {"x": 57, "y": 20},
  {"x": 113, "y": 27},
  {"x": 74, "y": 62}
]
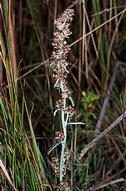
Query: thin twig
[
  {"x": 114, "y": 166},
  {"x": 108, "y": 180},
  {"x": 107, "y": 184},
  {"x": 95, "y": 29},
  {"x": 101, "y": 135},
  {"x": 4, "y": 170},
  {"x": 29, "y": 72},
  {"x": 73, "y": 4},
  {"x": 106, "y": 100}
]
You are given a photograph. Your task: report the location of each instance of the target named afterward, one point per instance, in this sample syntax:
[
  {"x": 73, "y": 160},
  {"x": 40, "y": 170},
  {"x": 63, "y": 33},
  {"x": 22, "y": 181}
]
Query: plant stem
[{"x": 62, "y": 159}]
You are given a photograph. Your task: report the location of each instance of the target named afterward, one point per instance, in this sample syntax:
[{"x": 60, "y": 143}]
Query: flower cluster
[
  {"x": 64, "y": 186},
  {"x": 56, "y": 164},
  {"x": 59, "y": 62},
  {"x": 64, "y": 105},
  {"x": 59, "y": 136}
]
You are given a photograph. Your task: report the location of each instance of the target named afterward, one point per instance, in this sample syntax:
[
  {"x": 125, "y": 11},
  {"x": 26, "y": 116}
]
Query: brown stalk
[
  {"x": 101, "y": 135},
  {"x": 1, "y": 66},
  {"x": 36, "y": 165},
  {"x": 106, "y": 100},
  {"x": 4, "y": 170},
  {"x": 12, "y": 38}
]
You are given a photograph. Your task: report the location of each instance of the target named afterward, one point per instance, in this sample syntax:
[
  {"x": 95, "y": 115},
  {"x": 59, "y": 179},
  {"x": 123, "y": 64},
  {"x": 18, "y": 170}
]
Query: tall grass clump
[{"x": 21, "y": 162}]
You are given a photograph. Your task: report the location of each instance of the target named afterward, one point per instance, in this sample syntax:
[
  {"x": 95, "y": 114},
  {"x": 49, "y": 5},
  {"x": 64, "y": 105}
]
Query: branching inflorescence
[{"x": 65, "y": 104}]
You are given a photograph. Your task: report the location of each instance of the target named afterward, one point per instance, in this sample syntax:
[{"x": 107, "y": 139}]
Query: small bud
[{"x": 59, "y": 136}]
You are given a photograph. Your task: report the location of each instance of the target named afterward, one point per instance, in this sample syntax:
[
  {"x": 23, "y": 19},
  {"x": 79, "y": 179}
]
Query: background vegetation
[{"x": 27, "y": 98}]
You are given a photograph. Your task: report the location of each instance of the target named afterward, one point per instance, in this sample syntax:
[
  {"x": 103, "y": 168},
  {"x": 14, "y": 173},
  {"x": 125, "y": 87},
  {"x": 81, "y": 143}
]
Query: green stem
[{"x": 62, "y": 159}]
